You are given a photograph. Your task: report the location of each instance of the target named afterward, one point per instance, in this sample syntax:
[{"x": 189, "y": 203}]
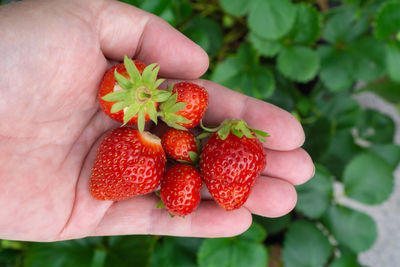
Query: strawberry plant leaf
[
  {"x": 243, "y": 73},
  {"x": 315, "y": 196},
  {"x": 235, "y": 7},
  {"x": 345, "y": 261},
  {"x": 298, "y": 63},
  {"x": 267, "y": 48},
  {"x": 393, "y": 61},
  {"x": 243, "y": 250},
  {"x": 176, "y": 251},
  {"x": 375, "y": 127},
  {"x": 273, "y": 225},
  {"x": 141, "y": 120},
  {"x": 115, "y": 96},
  {"x": 126, "y": 251},
  {"x": 161, "y": 96},
  {"x": 132, "y": 69},
  {"x": 151, "y": 110},
  {"x": 205, "y": 32},
  {"x": 305, "y": 245},
  {"x": 387, "y": 22},
  {"x": 271, "y": 19},
  {"x": 147, "y": 74},
  {"x": 336, "y": 68},
  {"x": 122, "y": 81},
  {"x": 344, "y": 25},
  {"x": 369, "y": 59},
  {"x": 389, "y": 152},
  {"x": 118, "y": 106},
  {"x": 353, "y": 229},
  {"x": 193, "y": 156},
  {"x": 368, "y": 178},
  {"x": 176, "y": 107},
  {"x": 131, "y": 112},
  {"x": 158, "y": 83},
  {"x": 307, "y": 26}
]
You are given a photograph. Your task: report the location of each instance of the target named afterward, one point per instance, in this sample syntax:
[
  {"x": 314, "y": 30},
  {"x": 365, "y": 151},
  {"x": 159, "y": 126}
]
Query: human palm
[{"x": 55, "y": 53}]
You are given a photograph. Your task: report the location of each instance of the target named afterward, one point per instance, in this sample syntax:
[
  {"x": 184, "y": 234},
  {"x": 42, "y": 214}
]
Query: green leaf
[
  {"x": 131, "y": 112},
  {"x": 351, "y": 228},
  {"x": 161, "y": 96},
  {"x": 393, "y": 61},
  {"x": 99, "y": 258},
  {"x": 345, "y": 261},
  {"x": 127, "y": 251},
  {"x": 157, "y": 7},
  {"x": 147, "y": 75},
  {"x": 345, "y": 25},
  {"x": 387, "y": 22},
  {"x": 122, "y": 81},
  {"x": 169, "y": 102},
  {"x": 242, "y": 73},
  {"x": 271, "y": 19},
  {"x": 385, "y": 88},
  {"x": 115, "y": 96},
  {"x": 178, "y": 118},
  {"x": 273, "y": 225},
  {"x": 176, "y": 107},
  {"x": 77, "y": 253},
  {"x": 389, "y": 152},
  {"x": 118, "y": 106},
  {"x": 305, "y": 246},
  {"x": 243, "y": 250},
  {"x": 315, "y": 196},
  {"x": 368, "y": 178},
  {"x": 298, "y": 63},
  {"x": 267, "y": 48},
  {"x": 307, "y": 26},
  {"x": 336, "y": 68},
  {"x": 176, "y": 251},
  {"x": 132, "y": 69},
  {"x": 317, "y": 147},
  {"x": 369, "y": 59},
  {"x": 141, "y": 121},
  {"x": 193, "y": 156},
  {"x": 235, "y": 7},
  {"x": 375, "y": 127},
  {"x": 158, "y": 83},
  {"x": 205, "y": 32},
  {"x": 151, "y": 110}
]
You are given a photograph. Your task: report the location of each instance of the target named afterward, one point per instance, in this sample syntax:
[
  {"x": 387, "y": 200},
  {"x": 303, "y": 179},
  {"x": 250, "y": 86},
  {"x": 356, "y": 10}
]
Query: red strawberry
[
  {"x": 129, "y": 93},
  {"x": 180, "y": 189},
  {"x": 230, "y": 163},
  {"x": 128, "y": 163},
  {"x": 186, "y": 107},
  {"x": 180, "y": 145}
]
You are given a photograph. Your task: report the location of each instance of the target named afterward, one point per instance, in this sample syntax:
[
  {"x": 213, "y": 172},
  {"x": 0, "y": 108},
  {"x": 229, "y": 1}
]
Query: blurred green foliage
[{"x": 310, "y": 58}]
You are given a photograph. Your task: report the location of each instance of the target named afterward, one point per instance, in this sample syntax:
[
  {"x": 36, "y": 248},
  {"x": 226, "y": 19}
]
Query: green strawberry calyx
[
  {"x": 168, "y": 111},
  {"x": 236, "y": 127},
  {"x": 139, "y": 94}
]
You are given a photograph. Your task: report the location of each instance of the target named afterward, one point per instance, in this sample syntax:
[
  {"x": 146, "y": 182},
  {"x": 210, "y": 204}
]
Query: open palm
[{"x": 54, "y": 56}]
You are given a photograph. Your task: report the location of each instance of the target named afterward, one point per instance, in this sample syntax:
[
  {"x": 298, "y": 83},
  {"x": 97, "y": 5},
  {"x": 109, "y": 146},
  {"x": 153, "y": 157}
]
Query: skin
[{"x": 54, "y": 54}]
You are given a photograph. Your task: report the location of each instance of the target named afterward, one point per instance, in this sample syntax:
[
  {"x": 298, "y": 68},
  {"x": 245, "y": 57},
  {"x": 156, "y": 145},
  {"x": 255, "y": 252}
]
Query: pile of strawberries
[{"x": 131, "y": 162}]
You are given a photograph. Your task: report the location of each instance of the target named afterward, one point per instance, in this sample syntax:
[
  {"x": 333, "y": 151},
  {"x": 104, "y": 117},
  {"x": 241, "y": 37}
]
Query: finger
[
  {"x": 285, "y": 130},
  {"x": 271, "y": 197},
  {"x": 294, "y": 166},
  {"x": 140, "y": 216},
  {"x": 126, "y": 30}
]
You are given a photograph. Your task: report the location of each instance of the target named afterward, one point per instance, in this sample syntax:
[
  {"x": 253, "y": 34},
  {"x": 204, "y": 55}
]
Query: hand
[{"x": 54, "y": 56}]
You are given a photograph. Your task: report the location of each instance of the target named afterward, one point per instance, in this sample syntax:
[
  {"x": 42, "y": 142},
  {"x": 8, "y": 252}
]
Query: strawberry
[
  {"x": 231, "y": 161},
  {"x": 186, "y": 106},
  {"x": 128, "y": 163},
  {"x": 129, "y": 93},
  {"x": 180, "y": 189},
  {"x": 180, "y": 145}
]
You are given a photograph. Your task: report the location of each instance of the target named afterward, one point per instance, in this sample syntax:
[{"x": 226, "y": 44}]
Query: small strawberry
[
  {"x": 180, "y": 145},
  {"x": 186, "y": 107},
  {"x": 129, "y": 93},
  {"x": 128, "y": 163},
  {"x": 231, "y": 161},
  {"x": 180, "y": 189}
]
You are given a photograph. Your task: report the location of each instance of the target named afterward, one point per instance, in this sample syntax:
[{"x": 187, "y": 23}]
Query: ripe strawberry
[
  {"x": 129, "y": 93},
  {"x": 180, "y": 145},
  {"x": 180, "y": 189},
  {"x": 230, "y": 163},
  {"x": 186, "y": 107},
  {"x": 128, "y": 163}
]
